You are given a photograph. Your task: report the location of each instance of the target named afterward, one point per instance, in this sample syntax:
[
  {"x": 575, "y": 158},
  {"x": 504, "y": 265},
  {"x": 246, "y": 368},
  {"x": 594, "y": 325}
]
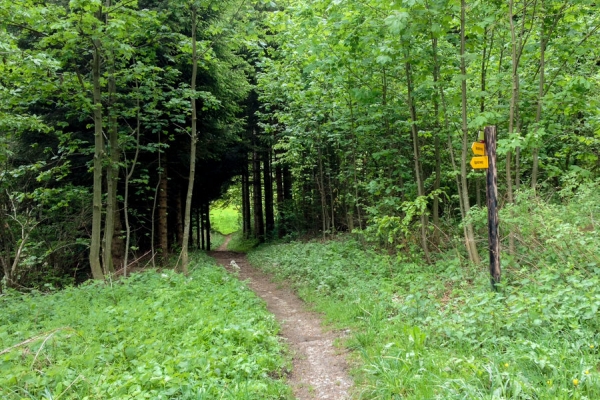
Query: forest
[{"x": 340, "y": 131}]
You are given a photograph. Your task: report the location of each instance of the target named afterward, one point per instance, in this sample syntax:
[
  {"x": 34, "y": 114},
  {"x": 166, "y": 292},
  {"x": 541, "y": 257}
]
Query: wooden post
[{"x": 492, "y": 205}]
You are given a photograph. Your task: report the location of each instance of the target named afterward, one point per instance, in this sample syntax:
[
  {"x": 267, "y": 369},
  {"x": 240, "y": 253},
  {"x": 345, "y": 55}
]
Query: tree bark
[
  {"x": 268, "y": 182},
  {"x": 470, "y": 235},
  {"x": 538, "y": 114},
  {"x": 112, "y": 171},
  {"x": 95, "y": 240},
  {"x": 511, "y": 116},
  {"x": 163, "y": 226},
  {"x": 207, "y": 226},
  {"x": 179, "y": 217},
  {"x": 321, "y": 186},
  {"x": 202, "y": 227},
  {"x": 437, "y": 146},
  {"x": 280, "y": 201},
  {"x": 246, "y": 207},
  {"x": 193, "y": 141},
  {"x": 416, "y": 158},
  {"x": 259, "y": 227}
]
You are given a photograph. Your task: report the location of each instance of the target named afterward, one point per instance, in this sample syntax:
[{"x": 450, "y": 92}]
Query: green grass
[
  {"x": 225, "y": 220},
  {"x": 216, "y": 240},
  {"x": 438, "y": 332},
  {"x": 241, "y": 245},
  {"x": 155, "y": 335}
]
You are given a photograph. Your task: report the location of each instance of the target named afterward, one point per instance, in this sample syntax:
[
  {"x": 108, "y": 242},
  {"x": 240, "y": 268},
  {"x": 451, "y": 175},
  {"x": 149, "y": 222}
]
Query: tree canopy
[{"x": 120, "y": 121}]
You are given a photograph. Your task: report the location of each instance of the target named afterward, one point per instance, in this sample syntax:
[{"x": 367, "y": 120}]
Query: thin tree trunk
[
  {"x": 207, "y": 226},
  {"x": 321, "y": 186},
  {"x": 179, "y": 216},
  {"x": 202, "y": 227},
  {"x": 163, "y": 223},
  {"x": 268, "y": 182},
  {"x": 198, "y": 228},
  {"x": 280, "y": 201},
  {"x": 538, "y": 114},
  {"x": 95, "y": 240},
  {"x": 484, "y": 66},
  {"x": 511, "y": 116},
  {"x": 193, "y": 141},
  {"x": 437, "y": 147},
  {"x": 246, "y": 206},
  {"x": 416, "y": 157},
  {"x": 470, "y": 235},
  {"x": 332, "y": 203},
  {"x": 259, "y": 227},
  {"x": 112, "y": 171}
]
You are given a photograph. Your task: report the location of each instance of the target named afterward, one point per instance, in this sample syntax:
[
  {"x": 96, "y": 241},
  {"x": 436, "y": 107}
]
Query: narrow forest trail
[
  {"x": 319, "y": 370},
  {"x": 223, "y": 247}
]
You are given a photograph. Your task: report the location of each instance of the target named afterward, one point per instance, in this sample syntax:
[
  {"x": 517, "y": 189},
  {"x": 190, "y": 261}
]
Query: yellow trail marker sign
[
  {"x": 478, "y": 149},
  {"x": 479, "y": 162}
]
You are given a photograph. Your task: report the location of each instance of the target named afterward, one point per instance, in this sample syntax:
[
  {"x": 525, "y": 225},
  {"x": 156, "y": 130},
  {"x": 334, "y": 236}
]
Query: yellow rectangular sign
[
  {"x": 479, "y": 162},
  {"x": 478, "y": 148}
]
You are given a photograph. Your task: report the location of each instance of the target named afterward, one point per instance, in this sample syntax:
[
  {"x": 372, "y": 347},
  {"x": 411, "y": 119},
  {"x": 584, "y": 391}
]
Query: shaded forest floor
[{"x": 319, "y": 368}]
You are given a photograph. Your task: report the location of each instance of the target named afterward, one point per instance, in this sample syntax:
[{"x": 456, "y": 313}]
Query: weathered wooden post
[{"x": 492, "y": 205}]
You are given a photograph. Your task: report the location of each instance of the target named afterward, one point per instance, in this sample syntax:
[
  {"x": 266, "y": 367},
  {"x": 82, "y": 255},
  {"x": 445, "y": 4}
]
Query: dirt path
[
  {"x": 319, "y": 369},
  {"x": 223, "y": 247}
]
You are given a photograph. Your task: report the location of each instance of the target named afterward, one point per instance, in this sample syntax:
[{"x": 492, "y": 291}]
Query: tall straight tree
[
  {"x": 193, "y": 141},
  {"x": 470, "y": 235},
  {"x": 95, "y": 240}
]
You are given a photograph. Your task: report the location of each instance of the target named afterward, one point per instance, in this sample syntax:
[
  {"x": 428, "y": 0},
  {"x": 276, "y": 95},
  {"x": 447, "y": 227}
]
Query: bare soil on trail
[{"x": 319, "y": 370}]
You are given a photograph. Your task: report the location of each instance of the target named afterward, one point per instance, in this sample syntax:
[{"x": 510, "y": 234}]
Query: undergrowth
[
  {"x": 439, "y": 332},
  {"x": 155, "y": 335}
]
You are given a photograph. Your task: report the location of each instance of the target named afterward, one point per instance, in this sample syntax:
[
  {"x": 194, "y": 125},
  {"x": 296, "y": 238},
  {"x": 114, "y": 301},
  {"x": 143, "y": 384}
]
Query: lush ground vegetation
[
  {"x": 436, "y": 331},
  {"x": 122, "y": 121},
  {"x": 154, "y": 335},
  {"x": 225, "y": 220}
]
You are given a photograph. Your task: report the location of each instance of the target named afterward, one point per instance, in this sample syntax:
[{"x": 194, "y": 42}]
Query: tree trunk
[
  {"x": 202, "y": 227},
  {"x": 193, "y": 141},
  {"x": 416, "y": 158},
  {"x": 511, "y": 117},
  {"x": 437, "y": 147},
  {"x": 470, "y": 235},
  {"x": 207, "y": 226},
  {"x": 246, "y": 207},
  {"x": 268, "y": 182},
  {"x": 95, "y": 240},
  {"x": 538, "y": 114},
  {"x": 163, "y": 226},
  {"x": 259, "y": 227},
  {"x": 280, "y": 201},
  {"x": 112, "y": 171},
  {"x": 179, "y": 216},
  {"x": 126, "y": 195},
  {"x": 321, "y": 186},
  {"x": 198, "y": 227}
]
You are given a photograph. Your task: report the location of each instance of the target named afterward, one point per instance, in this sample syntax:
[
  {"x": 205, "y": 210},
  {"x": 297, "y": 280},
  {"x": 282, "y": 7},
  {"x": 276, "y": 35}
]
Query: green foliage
[
  {"x": 156, "y": 335},
  {"x": 438, "y": 332},
  {"x": 216, "y": 240},
  {"x": 240, "y": 244},
  {"x": 225, "y": 220}
]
